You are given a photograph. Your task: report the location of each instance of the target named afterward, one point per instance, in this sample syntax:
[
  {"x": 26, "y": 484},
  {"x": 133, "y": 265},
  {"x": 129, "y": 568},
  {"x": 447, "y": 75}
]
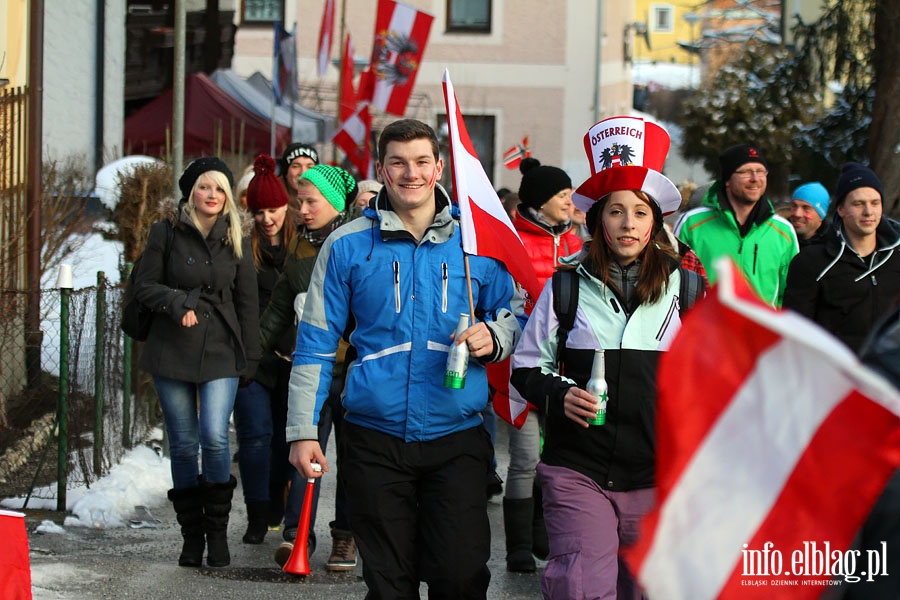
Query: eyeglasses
[{"x": 759, "y": 173}]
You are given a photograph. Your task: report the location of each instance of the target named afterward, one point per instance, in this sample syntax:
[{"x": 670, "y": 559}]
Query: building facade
[{"x": 520, "y": 68}]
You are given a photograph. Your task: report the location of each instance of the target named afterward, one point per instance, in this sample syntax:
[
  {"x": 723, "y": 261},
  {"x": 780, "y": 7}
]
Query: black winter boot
[
  {"x": 257, "y": 512},
  {"x": 188, "y": 503},
  {"x": 540, "y": 545},
  {"x": 216, "y": 508},
  {"x": 517, "y": 515}
]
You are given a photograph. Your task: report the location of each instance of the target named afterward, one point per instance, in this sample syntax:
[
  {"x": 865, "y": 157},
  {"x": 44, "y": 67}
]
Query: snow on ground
[{"x": 142, "y": 478}]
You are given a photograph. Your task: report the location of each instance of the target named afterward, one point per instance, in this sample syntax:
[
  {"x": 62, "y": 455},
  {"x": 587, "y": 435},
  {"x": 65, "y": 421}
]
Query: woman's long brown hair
[
  {"x": 287, "y": 233},
  {"x": 656, "y": 261}
]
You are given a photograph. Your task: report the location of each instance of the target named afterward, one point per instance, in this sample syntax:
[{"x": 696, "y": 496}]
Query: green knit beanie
[{"x": 336, "y": 184}]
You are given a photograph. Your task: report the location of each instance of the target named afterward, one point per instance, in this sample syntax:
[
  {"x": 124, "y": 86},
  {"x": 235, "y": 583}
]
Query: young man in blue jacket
[{"x": 414, "y": 457}]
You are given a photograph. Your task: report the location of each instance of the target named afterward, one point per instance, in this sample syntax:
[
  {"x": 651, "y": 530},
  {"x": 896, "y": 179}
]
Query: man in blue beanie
[
  {"x": 809, "y": 205},
  {"x": 848, "y": 282}
]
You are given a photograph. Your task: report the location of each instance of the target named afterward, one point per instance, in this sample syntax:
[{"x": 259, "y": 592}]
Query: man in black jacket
[{"x": 847, "y": 283}]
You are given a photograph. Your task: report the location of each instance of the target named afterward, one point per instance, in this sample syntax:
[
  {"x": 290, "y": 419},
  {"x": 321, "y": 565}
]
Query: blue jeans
[
  {"x": 253, "y": 425},
  {"x": 190, "y": 433}
]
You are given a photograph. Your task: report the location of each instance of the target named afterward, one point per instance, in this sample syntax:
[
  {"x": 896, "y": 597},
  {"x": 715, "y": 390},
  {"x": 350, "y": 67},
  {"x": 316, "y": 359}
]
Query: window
[
  {"x": 473, "y": 16},
  {"x": 662, "y": 18},
  {"x": 262, "y": 11},
  {"x": 481, "y": 130}
]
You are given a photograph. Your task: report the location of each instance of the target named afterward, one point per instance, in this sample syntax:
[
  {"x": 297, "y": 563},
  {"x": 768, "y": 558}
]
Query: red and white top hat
[{"x": 627, "y": 153}]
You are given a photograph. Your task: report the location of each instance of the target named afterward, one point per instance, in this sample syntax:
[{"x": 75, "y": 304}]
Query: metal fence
[{"x": 89, "y": 404}]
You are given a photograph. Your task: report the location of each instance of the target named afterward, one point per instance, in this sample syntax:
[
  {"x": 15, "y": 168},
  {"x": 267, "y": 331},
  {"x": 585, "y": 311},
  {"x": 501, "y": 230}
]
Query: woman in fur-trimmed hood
[{"x": 197, "y": 276}]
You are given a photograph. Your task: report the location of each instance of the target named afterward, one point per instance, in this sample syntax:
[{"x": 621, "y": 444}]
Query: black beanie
[
  {"x": 540, "y": 182},
  {"x": 855, "y": 176},
  {"x": 197, "y": 168},
  {"x": 735, "y": 157},
  {"x": 294, "y": 151}
]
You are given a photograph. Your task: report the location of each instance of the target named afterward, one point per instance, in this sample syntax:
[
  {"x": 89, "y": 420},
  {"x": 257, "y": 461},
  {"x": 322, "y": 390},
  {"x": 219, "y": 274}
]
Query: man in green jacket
[{"x": 737, "y": 220}]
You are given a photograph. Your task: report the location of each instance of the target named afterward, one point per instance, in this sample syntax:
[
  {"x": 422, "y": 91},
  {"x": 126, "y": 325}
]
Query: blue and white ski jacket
[{"x": 399, "y": 301}]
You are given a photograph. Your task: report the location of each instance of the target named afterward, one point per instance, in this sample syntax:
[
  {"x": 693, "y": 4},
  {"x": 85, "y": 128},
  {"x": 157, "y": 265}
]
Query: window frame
[
  {"x": 452, "y": 27},
  {"x": 262, "y": 20},
  {"x": 655, "y": 11},
  {"x": 485, "y": 146}
]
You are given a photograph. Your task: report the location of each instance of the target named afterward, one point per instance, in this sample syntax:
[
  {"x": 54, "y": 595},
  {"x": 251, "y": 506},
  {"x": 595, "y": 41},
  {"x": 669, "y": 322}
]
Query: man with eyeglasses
[{"x": 737, "y": 220}]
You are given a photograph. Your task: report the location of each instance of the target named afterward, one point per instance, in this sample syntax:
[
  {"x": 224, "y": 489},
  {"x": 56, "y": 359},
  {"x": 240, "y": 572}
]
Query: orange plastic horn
[{"x": 298, "y": 562}]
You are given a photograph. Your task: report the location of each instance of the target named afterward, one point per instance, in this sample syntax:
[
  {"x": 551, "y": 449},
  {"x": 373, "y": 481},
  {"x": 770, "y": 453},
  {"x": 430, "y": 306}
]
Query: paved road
[{"x": 142, "y": 563}]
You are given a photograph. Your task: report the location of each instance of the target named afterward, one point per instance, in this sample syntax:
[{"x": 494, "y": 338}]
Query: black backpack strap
[
  {"x": 692, "y": 289},
  {"x": 565, "y": 305}
]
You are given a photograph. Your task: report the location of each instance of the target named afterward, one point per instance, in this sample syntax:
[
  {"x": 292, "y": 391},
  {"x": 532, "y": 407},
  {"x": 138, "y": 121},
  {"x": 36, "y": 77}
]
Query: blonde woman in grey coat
[{"x": 197, "y": 276}]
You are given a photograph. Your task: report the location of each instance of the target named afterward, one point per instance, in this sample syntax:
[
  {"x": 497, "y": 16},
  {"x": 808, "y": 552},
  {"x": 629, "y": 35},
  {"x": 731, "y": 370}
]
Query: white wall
[{"x": 70, "y": 77}]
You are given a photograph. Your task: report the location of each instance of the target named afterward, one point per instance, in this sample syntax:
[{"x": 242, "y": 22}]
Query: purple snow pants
[{"x": 587, "y": 525}]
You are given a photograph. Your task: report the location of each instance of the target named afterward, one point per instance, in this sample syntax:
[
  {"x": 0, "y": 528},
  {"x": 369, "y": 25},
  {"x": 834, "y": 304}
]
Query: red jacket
[{"x": 545, "y": 249}]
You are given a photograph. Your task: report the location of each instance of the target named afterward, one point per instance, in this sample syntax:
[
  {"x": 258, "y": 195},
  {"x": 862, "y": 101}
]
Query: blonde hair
[{"x": 230, "y": 211}]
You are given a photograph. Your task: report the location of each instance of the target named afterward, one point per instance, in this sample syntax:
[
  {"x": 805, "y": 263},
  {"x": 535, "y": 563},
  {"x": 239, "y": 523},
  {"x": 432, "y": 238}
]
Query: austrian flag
[
  {"x": 401, "y": 33},
  {"x": 353, "y": 139},
  {"x": 326, "y": 33},
  {"x": 773, "y": 440},
  {"x": 487, "y": 231}
]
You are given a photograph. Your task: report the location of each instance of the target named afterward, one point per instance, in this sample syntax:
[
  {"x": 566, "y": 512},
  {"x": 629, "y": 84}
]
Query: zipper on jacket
[
  {"x": 665, "y": 324},
  {"x": 556, "y": 250},
  {"x": 396, "y": 286},
  {"x": 755, "y": 254},
  {"x": 445, "y": 283}
]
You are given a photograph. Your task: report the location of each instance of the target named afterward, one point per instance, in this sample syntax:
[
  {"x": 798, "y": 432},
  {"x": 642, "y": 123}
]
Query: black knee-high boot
[
  {"x": 517, "y": 515},
  {"x": 216, "y": 508},
  {"x": 188, "y": 503}
]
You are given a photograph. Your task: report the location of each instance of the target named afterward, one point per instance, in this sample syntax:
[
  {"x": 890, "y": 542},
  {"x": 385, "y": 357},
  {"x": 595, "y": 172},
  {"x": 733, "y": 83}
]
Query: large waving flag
[
  {"x": 326, "y": 33},
  {"x": 487, "y": 231},
  {"x": 353, "y": 139},
  {"x": 774, "y": 442},
  {"x": 401, "y": 33}
]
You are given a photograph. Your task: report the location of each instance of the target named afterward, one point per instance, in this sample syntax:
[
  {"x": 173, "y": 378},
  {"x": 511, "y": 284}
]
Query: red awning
[{"x": 210, "y": 114}]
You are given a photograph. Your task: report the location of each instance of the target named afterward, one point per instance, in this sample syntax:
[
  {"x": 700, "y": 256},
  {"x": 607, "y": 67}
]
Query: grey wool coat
[{"x": 203, "y": 275}]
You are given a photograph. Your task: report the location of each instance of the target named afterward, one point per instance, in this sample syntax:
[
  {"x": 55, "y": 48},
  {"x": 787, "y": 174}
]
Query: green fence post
[
  {"x": 99, "y": 352},
  {"x": 64, "y": 283},
  {"x": 126, "y": 373}
]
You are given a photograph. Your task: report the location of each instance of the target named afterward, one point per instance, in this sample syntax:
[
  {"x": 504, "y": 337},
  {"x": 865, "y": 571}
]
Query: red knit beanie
[{"x": 265, "y": 189}]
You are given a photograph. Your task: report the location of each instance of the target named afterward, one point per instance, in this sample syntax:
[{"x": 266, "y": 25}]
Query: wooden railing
[{"x": 14, "y": 105}]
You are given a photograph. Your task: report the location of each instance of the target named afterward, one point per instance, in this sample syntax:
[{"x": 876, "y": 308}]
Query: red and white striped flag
[
  {"x": 15, "y": 571},
  {"x": 512, "y": 158},
  {"x": 353, "y": 139},
  {"x": 487, "y": 231},
  {"x": 774, "y": 442},
  {"x": 348, "y": 94},
  {"x": 401, "y": 33},
  {"x": 326, "y": 33}
]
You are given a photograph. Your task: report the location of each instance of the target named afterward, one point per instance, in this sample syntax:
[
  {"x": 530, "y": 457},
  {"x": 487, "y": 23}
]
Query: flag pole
[
  {"x": 337, "y": 112},
  {"x": 293, "y": 80},
  {"x": 277, "y": 44},
  {"x": 469, "y": 286}
]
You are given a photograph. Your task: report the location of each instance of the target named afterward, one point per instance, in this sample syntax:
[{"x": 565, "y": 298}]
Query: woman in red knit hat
[{"x": 267, "y": 200}]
